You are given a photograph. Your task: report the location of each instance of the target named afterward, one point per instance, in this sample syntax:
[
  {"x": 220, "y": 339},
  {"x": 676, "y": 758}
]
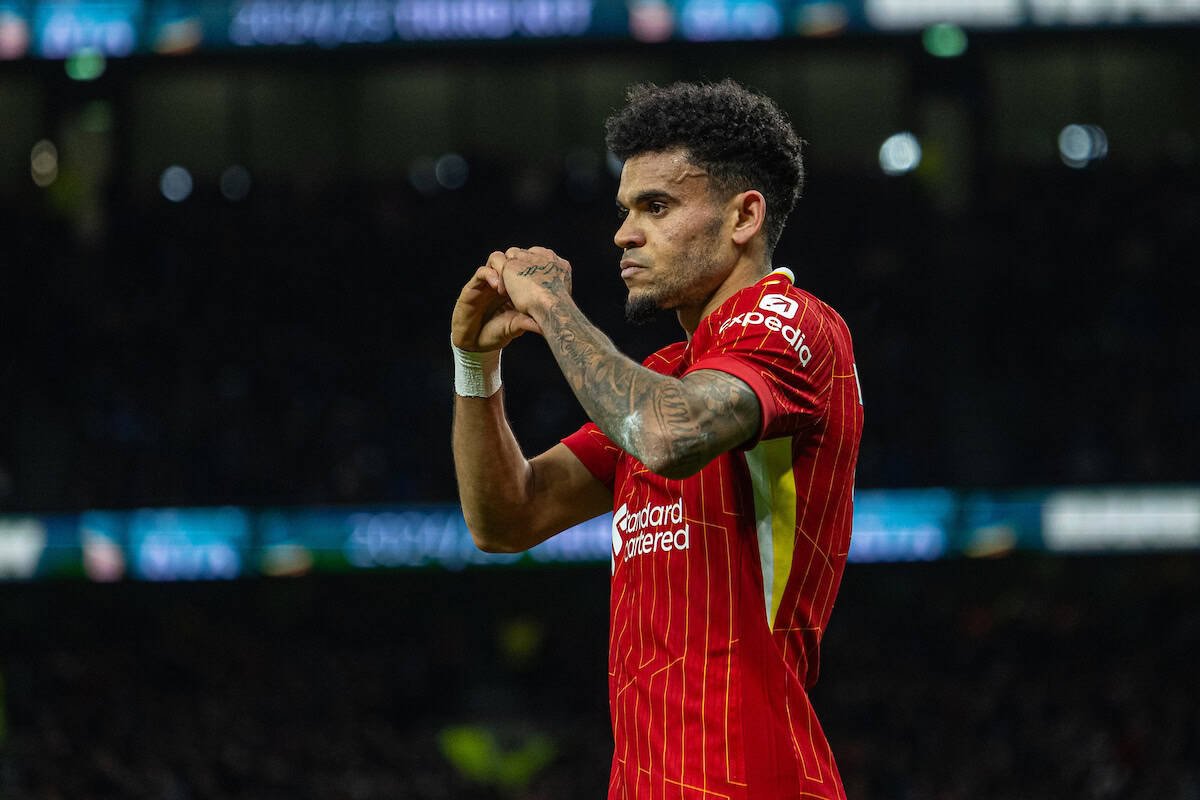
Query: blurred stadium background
[{"x": 231, "y": 232}]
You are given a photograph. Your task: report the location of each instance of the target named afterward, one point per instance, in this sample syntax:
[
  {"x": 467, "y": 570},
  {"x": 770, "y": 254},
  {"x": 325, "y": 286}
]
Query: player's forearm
[
  {"x": 648, "y": 415},
  {"x": 494, "y": 477}
]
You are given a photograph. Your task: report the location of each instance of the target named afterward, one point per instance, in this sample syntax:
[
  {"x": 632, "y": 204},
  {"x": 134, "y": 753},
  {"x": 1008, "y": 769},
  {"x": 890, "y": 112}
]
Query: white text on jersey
[{"x": 793, "y": 336}]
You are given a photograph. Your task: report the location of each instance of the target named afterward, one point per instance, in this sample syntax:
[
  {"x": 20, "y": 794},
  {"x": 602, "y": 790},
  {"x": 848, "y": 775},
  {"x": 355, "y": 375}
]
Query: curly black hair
[{"x": 740, "y": 138}]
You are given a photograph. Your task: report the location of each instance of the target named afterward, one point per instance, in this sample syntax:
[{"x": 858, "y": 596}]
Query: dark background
[
  {"x": 1017, "y": 323},
  {"x": 1016, "y": 678}
]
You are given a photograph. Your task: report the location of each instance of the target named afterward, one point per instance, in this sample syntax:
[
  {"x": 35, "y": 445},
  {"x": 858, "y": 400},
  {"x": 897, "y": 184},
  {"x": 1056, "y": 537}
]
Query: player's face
[{"x": 672, "y": 233}]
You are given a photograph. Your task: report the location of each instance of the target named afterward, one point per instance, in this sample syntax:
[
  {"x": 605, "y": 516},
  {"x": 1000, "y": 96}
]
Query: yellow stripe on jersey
[{"x": 770, "y": 464}]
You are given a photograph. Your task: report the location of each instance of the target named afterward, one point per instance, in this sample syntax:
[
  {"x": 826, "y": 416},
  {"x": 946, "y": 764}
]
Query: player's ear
[{"x": 751, "y": 209}]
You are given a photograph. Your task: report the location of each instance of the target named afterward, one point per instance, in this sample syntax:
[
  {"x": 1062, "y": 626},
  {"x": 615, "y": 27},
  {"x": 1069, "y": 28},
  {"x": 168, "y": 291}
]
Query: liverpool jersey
[{"x": 723, "y": 582}]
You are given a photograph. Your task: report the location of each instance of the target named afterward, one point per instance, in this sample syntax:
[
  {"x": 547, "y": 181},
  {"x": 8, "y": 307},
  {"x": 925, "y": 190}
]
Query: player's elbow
[
  {"x": 493, "y": 545},
  {"x": 494, "y": 538},
  {"x": 677, "y": 457},
  {"x": 675, "y": 469}
]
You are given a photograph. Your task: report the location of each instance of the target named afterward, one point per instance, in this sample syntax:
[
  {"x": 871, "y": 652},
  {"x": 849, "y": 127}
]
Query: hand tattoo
[{"x": 556, "y": 278}]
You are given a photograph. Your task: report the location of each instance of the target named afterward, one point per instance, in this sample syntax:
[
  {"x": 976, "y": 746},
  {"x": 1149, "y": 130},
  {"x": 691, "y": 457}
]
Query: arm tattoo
[{"x": 673, "y": 426}]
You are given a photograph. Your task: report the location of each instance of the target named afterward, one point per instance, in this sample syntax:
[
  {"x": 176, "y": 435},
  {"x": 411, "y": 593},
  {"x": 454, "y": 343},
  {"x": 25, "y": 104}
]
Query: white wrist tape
[{"x": 476, "y": 374}]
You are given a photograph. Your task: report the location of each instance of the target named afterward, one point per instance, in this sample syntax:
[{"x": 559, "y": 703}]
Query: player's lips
[{"x": 630, "y": 268}]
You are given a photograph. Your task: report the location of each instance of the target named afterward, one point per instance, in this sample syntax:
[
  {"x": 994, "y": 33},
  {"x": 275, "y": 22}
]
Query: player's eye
[
  {"x": 656, "y": 207},
  {"x": 622, "y": 213}
]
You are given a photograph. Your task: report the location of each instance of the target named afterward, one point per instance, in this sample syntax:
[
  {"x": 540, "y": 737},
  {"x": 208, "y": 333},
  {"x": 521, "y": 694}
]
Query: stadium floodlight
[
  {"x": 451, "y": 171},
  {"x": 1079, "y": 145},
  {"x": 43, "y": 163},
  {"x": 176, "y": 183},
  {"x": 900, "y": 153},
  {"x": 944, "y": 40}
]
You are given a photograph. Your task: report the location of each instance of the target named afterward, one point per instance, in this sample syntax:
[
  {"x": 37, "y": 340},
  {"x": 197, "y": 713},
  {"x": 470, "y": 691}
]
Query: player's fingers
[
  {"x": 486, "y": 274},
  {"x": 496, "y": 262},
  {"x": 480, "y": 289},
  {"x": 520, "y": 323}
]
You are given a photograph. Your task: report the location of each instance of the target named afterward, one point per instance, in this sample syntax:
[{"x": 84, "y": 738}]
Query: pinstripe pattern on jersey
[{"x": 708, "y": 701}]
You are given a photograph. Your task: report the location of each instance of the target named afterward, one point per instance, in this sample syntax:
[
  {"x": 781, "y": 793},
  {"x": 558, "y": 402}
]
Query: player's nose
[{"x": 628, "y": 235}]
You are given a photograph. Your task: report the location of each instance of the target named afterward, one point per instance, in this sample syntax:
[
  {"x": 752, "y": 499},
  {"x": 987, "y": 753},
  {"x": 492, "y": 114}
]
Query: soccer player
[{"x": 727, "y": 459}]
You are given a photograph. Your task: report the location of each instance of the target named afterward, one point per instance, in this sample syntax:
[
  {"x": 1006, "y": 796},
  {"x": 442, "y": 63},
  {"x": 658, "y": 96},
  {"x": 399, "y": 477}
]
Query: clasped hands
[{"x": 505, "y": 296}]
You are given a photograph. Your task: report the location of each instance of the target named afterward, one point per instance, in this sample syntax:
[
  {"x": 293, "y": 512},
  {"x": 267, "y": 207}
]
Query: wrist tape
[{"x": 476, "y": 374}]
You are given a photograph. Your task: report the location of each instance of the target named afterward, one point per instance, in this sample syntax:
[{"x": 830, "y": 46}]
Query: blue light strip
[
  {"x": 158, "y": 544},
  {"x": 115, "y": 28}
]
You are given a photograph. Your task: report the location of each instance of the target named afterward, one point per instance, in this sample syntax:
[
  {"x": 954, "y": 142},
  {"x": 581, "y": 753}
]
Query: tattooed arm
[{"x": 674, "y": 426}]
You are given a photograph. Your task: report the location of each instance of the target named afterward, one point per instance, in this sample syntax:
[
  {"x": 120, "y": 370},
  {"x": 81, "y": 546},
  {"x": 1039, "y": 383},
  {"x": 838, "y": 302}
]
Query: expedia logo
[
  {"x": 782, "y": 305},
  {"x": 779, "y": 304},
  {"x": 649, "y": 530}
]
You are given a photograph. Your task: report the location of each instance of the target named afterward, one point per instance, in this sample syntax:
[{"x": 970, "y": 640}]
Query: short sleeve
[
  {"x": 780, "y": 346},
  {"x": 596, "y": 451}
]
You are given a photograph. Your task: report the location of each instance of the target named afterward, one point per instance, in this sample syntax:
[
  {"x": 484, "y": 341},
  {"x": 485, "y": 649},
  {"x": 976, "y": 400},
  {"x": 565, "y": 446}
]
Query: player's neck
[{"x": 746, "y": 272}]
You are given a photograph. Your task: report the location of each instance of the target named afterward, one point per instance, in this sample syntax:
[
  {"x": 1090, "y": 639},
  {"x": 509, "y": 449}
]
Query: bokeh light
[
  {"x": 900, "y": 153},
  {"x": 1080, "y": 145},
  {"x": 43, "y": 163},
  {"x": 85, "y": 64},
  {"x": 235, "y": 183},
  {"x": 176, "y": 183},
  {"x": 944, "y": 40},
  {"x": 14, "y": 36},
  {"x": 451, "y": 171}
]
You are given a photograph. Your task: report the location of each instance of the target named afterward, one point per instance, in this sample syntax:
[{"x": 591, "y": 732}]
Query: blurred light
[
  {"x": 822, "y": 19},
  {"x": 43, "y": 163},
  {"x": 1079, "y": 145},
  {"x": 901, "y": 153},
  {"x": 651, "y": 20},
  {"x": 235, "y": 183},
  {"x": 944, "y": 40},
  {"x": 176, "y": 184},
  {"x": 723, "y": 20},
  {"x": 22, "y": 542},
  {"x": 422, "y": 174},
  {"x": 103, "y": 560},
  {"x": 179, "y": 36},
  {"x": 914, "y": 14},
  {"x": 14, "y": 36},
  {"x": 451, "y": 171},
  {"x": 85, "y": 64}
]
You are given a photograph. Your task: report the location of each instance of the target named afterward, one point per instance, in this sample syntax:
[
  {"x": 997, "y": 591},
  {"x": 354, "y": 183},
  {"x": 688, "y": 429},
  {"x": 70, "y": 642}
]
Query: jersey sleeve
[
  {"x": 596, "y": 451},
  {"x": 786, "y": 360}
]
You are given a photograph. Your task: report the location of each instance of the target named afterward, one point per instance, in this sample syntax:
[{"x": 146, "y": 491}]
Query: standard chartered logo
[{"x": 651, "y": 529}]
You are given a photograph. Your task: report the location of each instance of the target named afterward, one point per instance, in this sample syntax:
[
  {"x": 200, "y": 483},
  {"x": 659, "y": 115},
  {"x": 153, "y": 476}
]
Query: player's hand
[
  {"x": 484, "y": 317},
  {"x": 532, "y": 278}
]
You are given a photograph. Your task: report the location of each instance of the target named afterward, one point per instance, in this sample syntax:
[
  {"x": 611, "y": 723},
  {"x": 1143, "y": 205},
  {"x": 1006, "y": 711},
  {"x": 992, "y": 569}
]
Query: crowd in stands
[
  {"x": 290, "y": 347},
  {"x": 1012, "y": 679}
]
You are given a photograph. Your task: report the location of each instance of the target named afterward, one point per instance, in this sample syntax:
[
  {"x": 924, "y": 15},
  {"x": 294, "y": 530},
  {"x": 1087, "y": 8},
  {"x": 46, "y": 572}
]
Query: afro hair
[{"x": 740, "y": 138}]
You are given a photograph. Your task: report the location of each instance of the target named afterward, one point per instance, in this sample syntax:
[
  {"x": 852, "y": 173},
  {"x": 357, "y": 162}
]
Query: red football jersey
[{"x": 722, "y": 583}]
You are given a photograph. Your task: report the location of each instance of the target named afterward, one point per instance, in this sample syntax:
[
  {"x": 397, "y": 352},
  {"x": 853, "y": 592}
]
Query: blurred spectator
[
  {"x": 1018, "y": 678},
  {"x": 290, "y": 348}
]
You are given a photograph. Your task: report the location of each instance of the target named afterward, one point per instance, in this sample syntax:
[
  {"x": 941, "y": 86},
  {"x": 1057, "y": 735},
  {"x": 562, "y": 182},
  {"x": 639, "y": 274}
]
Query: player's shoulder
[
  {"x": 665, "y": 358},
  {"x": 775, "y": 294},
  {"x": 773, "y": 318}
]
